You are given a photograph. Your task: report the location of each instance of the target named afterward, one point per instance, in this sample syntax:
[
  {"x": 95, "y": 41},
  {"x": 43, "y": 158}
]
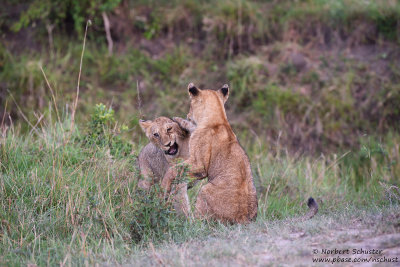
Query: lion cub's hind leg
[
  {"x": 203, "y": 209},
  {"x": 146, "y": 180},
  {"x": 217, "y": 203}
]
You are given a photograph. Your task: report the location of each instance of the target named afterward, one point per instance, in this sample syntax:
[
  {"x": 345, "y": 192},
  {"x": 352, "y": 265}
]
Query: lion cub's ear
[
  {"x": 145, "y": 124},
  {"x": 193, "y": 90},
  {"x": 224, "y": 91}
]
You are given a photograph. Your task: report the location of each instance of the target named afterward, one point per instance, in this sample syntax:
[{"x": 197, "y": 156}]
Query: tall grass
[
  {"x": 77, "y": 202},
  {"x": 73, "y": 202},
  {"x": 358, "y": 178}
]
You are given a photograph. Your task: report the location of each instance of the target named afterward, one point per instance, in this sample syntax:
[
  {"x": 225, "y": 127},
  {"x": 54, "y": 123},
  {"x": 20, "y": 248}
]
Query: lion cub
[
  {"x": 169, "y": 141},
  {"x": 230, "y": 194}
]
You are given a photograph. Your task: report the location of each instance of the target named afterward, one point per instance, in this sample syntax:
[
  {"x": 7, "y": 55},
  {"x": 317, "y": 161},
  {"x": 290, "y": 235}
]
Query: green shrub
[
  {"x": 153, "y": 217},
  {"x": 103, "y": 131},
  {"x": 274, "y": 98},
  {"x": 245, "y": 75},
  {"x": 58, "y": 11}
]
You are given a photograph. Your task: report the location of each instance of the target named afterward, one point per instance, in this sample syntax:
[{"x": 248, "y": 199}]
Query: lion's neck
[
  {"x": 213, "y": 115},
  {"x": 211, "y": 120}
]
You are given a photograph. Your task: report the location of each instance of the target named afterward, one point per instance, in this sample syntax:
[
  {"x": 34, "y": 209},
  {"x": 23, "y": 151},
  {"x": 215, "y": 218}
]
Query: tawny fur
[
  {"x": 230, "y": 194},
  {"x": 153, "y": 160}
]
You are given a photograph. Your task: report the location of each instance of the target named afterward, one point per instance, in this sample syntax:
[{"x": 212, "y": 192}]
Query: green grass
[
  {"x": 64, "y": 200},
  {"x": 73, "y": 201}
]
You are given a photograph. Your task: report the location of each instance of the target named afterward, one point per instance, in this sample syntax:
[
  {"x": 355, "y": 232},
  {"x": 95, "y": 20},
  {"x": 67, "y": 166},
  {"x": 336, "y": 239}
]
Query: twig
[
  {"x": 108, "y": 33},
  {"x": 156, "y": 255},
  {"x": 3, "y": 128},
  {"x": 239, "y": 27},
  {"x": 88, "y": 23},
  {"x": 337, "y": 160},
  {"x": 37, "y": 123},
  {"x": 50, "y": 28},
  {"x": 69, "y": 249},
  {"x": 139, "y": 99}
]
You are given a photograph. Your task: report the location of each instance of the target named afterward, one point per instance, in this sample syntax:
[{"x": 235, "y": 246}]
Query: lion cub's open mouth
[{"x": 172, "y": 150}]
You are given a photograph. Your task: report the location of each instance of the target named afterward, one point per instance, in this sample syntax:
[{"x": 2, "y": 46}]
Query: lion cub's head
[
  {"x": 165, "y": 133},
  {"x": 207, "y": 105}
]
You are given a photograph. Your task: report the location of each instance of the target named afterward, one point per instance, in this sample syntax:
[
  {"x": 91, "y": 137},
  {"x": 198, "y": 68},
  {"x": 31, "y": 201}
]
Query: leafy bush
[
  {"x": 153, "y": 217},
  {"x": 56, "y": 12},
  {"x": 245, "y": 75},
  {"x": 104, "y": 132}
]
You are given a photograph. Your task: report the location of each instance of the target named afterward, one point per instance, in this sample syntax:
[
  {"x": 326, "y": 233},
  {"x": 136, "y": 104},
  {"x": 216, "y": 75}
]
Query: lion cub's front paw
[
  {"x": 168, "y": 178},
  {"x": 185, "y": 124},
  {"x": 166, "y": 185}
]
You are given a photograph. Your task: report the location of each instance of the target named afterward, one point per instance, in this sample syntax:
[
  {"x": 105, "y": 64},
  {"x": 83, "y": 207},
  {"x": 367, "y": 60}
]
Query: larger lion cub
[{"x": 215, "y": 152}]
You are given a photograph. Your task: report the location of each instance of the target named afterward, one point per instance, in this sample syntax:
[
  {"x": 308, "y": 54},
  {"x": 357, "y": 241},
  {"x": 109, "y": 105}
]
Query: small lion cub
[{"x": 169, "y": 141}]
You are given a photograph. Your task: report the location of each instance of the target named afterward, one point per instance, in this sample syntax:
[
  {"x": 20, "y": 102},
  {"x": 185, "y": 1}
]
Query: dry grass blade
[
  {"x": 156, "y": 255},
  {"x": 52, "y": 96},
  {"x": 37, "y": 123},
  {"x": 4, "y": 115},
  {"x": 139, "y": 99},
  {"x": 108, "y": 32},
  {"x": 88, "y": 23}
]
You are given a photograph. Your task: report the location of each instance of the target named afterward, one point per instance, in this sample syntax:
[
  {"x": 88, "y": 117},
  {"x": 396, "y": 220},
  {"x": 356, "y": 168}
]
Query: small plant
[
  {"x": 104, "y": 132},
  {"x": 244, "y": 74},
  {"x": 152, "y": 29},
  {"x": 183, "y": 171},
  {"x": 370, "y": 159},
  {"x": 153, "y": 216},
  {"x": 274, "y": 97}
]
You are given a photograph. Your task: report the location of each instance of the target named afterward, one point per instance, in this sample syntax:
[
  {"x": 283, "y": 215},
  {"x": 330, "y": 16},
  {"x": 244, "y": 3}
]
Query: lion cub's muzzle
[{"x": 172, "y": 150}]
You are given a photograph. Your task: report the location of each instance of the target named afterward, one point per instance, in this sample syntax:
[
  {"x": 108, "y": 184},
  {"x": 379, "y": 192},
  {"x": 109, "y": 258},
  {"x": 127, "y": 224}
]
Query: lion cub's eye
[
  {"x": 156, "y": 135},
  {"x": 169, "y": 129}
]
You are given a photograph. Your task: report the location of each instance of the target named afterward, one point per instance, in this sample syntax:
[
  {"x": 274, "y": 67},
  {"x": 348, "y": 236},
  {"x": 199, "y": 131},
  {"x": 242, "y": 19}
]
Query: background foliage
[{"x": 316, "y": 73}]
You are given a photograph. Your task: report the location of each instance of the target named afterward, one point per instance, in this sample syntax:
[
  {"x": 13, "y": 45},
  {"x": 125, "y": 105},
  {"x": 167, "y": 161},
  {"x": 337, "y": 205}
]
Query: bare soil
[{"x": 373, "y": 235}]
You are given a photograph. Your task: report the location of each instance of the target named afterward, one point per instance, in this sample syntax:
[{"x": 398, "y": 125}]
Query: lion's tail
[{"x": 312, "y": 209}]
